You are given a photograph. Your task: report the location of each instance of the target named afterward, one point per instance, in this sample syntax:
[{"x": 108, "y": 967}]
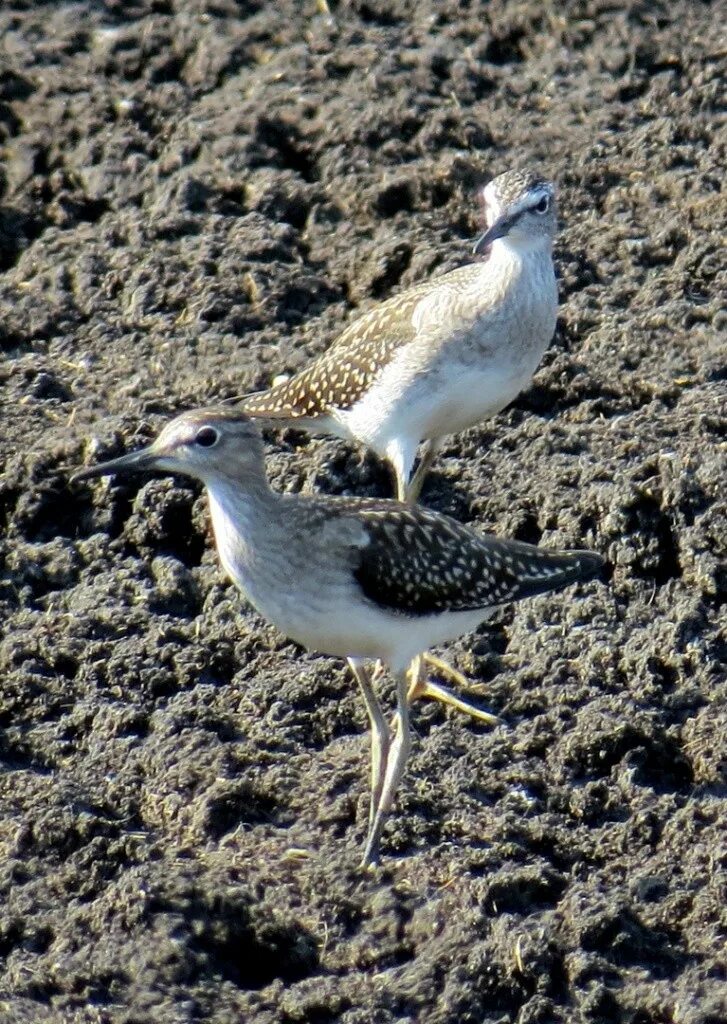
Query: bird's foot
[{"x": 422, "y": 686}]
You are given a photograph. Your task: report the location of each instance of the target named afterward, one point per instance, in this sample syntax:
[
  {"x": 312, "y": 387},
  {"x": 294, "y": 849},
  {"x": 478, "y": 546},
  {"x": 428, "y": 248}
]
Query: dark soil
[{"x": 196, "y": 196}]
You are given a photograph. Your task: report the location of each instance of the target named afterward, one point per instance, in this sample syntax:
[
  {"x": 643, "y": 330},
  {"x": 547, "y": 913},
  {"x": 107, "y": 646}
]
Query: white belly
[
  {"x": 295, "y": 582},
  {"x": 378, "y": 635},
  {"x": 468, "y": 396},
  {"x": 435, "y": 404}
]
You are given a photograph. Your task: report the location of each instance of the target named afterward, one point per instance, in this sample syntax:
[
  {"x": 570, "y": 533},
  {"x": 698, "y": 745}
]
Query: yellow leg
[
  {"x": 395, "y": 763},
  {"x": 421, "y": 686},
  {"x": 414, "y": 488},
  {"x": 380, "y": 734}
]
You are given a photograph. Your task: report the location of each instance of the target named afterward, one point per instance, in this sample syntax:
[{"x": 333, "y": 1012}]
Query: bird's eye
[
  {"x": 543, "y": 205},
  {"x": 207, "y": 437}
]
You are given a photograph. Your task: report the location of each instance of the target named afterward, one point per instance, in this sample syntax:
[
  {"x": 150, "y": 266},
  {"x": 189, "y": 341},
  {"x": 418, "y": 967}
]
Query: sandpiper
[
  {"x": 357, "y": 578},
  {"x": 443, "y": 355},
  {"x": 439, "y": 357}
]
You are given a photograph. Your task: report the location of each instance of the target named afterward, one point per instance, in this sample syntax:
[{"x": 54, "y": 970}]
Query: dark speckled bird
[
  {"x": 443, "y": 355},
  {"x": 358, "y": 578}
]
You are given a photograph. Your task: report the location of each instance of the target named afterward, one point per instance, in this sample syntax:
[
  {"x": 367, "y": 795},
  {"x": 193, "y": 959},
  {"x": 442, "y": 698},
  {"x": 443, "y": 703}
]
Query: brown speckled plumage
[
  {"x": 444, "y": 354},
  {"x": 512, "y": 184},
  {"x": 340, "y": 376}
]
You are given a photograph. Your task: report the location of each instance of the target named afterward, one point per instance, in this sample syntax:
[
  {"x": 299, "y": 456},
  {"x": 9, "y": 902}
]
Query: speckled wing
[
  {"x": 420, "y": 563},
  {"x": 342, "y": 374}
]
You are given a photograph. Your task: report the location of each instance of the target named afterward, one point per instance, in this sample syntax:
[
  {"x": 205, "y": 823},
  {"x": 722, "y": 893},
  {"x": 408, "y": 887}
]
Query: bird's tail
[
  {"x": 538, "y": 570},
  {"x": 292, "y": 399}
]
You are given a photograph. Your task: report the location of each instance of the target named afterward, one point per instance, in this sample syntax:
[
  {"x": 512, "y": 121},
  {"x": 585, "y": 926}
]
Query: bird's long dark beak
[
  {"x": 496, "y": 230},
  {"x": 143, "y": 461}
]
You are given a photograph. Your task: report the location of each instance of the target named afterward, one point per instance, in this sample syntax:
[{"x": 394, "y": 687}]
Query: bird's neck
[
  {"x": 508, "y": 251},
  {"x": 516, "y": 273},
  {"x": 246, "y": 520}
]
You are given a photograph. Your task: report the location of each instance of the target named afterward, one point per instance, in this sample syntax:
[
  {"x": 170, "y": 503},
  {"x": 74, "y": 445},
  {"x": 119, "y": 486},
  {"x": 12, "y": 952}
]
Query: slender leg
[
  {"x": 398, "y": 755},
  {"x": 399, "y": 485},
  {"x": 400, "y": 455},
  {"x": 414, "y": 488},
  {"x": 423, "y": 687},
  {"x": 380, "y": 733},
  {"x": 414, "y": 676}
]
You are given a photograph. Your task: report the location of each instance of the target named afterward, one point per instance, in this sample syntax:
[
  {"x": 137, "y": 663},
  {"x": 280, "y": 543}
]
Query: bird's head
[
  {"x": 520, "y": 208},
  {"x": 207, "y": 444}
]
